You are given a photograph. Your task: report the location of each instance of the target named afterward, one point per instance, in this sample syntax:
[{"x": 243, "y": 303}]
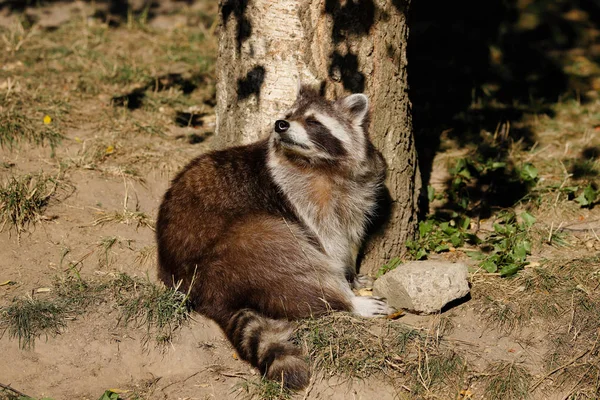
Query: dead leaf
[
  {"x": 119, "y": 391},
  {"x": 395, "y": 315}
]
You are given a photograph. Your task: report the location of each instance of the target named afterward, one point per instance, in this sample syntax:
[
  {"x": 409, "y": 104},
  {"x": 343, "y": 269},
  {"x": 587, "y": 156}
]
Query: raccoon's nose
[{"x": 281, "y": 126}]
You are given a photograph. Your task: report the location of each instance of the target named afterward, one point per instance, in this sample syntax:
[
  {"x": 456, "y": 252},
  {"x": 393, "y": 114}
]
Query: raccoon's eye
[{"x": 313, "y": 121}]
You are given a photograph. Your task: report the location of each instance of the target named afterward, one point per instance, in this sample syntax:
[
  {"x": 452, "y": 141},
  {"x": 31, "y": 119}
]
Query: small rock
[{"x": 423, "y": 286}]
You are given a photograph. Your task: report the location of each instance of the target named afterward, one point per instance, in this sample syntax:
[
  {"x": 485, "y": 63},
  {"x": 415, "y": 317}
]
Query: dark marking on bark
[
  {"x": 353, "y": 18},
  {"x": 238, "y": 9},
  {"x": 252, "y": 83},
  {"x": 346, "y": 69}
]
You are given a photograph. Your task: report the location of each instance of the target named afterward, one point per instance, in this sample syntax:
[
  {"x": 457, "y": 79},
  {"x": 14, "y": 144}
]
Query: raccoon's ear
[{"x": 355, "y": 106}]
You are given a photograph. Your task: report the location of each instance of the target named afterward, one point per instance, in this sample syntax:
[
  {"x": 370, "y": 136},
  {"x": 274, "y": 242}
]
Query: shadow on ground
[{"x": 477, "y": 68}]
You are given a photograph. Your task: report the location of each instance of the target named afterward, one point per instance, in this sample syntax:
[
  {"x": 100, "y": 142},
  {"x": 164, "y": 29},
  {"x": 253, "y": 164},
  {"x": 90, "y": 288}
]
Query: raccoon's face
[{"x": 317, "y": 130}]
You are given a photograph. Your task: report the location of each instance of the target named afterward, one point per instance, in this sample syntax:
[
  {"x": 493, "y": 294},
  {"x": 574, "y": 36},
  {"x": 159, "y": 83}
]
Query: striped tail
[{"x": 265, "y": 343}]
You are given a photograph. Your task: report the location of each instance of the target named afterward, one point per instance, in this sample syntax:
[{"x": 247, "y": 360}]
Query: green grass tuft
[
  {"x": 23, "y": 198},
  {"x": 162, "y": 310},
  {"x": 507, "y": 381},
  {"x": 16, "y": 128},
  {"x": 265, "y": 389},
  {"x": 29, "y": 318}
]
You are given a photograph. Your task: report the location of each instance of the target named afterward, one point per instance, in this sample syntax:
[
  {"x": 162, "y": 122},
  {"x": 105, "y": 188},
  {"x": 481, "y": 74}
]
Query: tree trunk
[{"x": 347, "y": 46}]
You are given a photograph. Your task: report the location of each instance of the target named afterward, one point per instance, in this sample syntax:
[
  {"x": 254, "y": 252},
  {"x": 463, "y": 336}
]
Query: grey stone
[{"x": 423, "y": 286}]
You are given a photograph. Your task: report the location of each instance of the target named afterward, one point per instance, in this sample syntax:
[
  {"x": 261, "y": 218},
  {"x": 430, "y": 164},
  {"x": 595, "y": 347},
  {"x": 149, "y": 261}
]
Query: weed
[
  {"x": 107, "y": 243},
  {"x": 126, "y": 217},
  {"x": 356, "y": 348},
  {"x": 265, "y": 389},
  {"x": 146, "y": 255},
  {"x": 507, "y": 381},
  {"x": 588, "y": 197},
  {"x": 505, "y": 316},
  {"x": 434, "y": 370},
  {"x": 76, "y": 294},
  {"x": 511, "y": 245},
  {"x": 391, "y": 265},
  {"x": 16, "y": 128},
  {"x": 436, "y": 236},
  {"x": 162, "y": 310},
  {"x": 23, "y": 198},
  {"x": 500, "y": 182},
  {"x": 29, "y": 318}
]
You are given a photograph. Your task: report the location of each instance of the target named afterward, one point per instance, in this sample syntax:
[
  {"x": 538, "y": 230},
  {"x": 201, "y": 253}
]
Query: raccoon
[{"x": 269, "y": 232}]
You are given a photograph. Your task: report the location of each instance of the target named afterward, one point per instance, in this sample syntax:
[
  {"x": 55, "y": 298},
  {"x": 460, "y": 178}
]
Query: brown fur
[{"x": 225, "y": 226}]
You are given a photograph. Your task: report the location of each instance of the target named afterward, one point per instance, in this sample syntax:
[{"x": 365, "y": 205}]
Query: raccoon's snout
[{"x": 281, "y": 126}]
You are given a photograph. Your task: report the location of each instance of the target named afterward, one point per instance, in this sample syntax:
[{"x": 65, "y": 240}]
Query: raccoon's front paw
[
  {"x": 367, "y": 306},
  {"x": 362, "y": 282}
]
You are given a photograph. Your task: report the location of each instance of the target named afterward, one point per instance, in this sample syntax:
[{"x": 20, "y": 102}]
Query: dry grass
[
  {"x": 139, "y": 218},
  {"x": 263, "y": 389},
  {"x": 23, "y": 199},
  {"x": 16, "y": 128},
  {"x": 562, "y": 295},
  {"x": 418, "y": 363},
  {"x": 507, "y": 381},
  {"x": 106, "y": 85},
  {"x": 160, "y": 310}
]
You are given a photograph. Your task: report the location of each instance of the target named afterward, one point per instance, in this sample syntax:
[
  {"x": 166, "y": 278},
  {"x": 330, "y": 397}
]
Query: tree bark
[{"x": 347, "y": 47}]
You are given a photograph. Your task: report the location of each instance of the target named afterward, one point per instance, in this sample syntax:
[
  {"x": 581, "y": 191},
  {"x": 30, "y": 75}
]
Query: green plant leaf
[
  {"x": 520, "y": 252},
  {"x": 109, "y": 395},
  {"x": 441, "y": 247},
  {"x": 499, "y": 228},
  {"x": 528, "y": 219},
  {"x": 510, "y": 269},
  {"x": 529, "y": 173},
  {"x": 421, "y": 254},
  {"x": 465, "y": 223},
  {"x": 588, "y": 197},
  {"x": 425, "y": 227},
  {"x": 489, "y": 266},
  {"x": 476, "y": 255},
  {"x": 569, "y": 189},
  {"x": 456, "y": 239},
  {"x": 430, "y": 193},
  {"x": 392, "y": 264},
  {"x": 447, "y": 229}
]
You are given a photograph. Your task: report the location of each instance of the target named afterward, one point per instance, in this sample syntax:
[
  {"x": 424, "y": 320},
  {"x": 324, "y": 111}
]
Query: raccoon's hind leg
[{"x": 265, "y": 343}]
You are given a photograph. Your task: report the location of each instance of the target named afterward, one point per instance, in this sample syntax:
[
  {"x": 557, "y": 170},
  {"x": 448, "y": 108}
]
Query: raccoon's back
[{"x": 208, "y": 196}]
